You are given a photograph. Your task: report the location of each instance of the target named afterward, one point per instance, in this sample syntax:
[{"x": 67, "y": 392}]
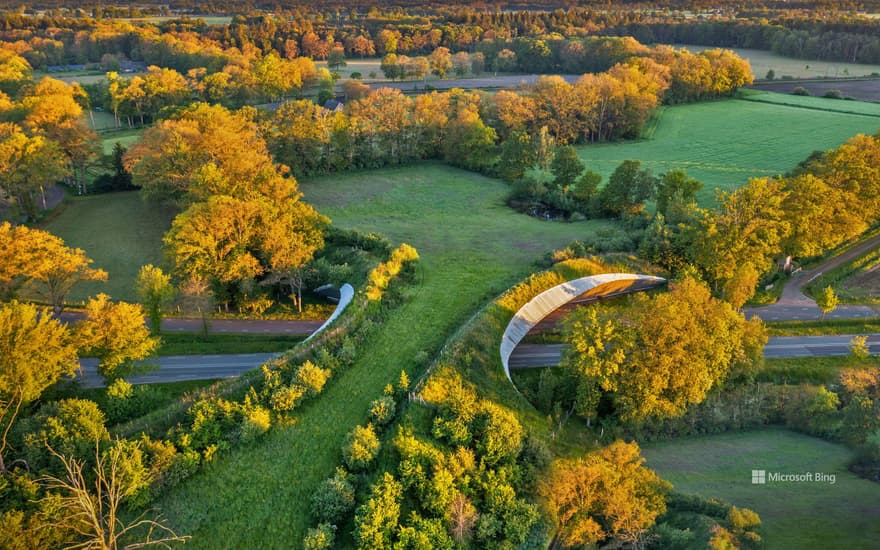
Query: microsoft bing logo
[{"x": 759, "y": 477}]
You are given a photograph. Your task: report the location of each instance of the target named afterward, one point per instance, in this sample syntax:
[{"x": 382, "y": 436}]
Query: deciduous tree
[
  {"x": 35, "y": 352},
  {"x": 155, "y": 291},
  {"x": 115, "y": 333}
]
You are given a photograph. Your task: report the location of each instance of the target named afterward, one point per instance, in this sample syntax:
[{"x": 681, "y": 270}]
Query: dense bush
[
  {"x": 361, "y": 447},
  {"x": 382, "y": 410},
  {"x": 321, "y": 537},
  {"x": 70, "y": 427},
  {"x": 335, "y": 498}
]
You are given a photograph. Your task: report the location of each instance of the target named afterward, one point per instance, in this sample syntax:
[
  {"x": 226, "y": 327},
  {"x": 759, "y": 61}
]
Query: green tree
[
  {"x": 155, "y": 291},
  {"x": 586, "y": 188},
  {"x": 35, "y": 352},
  {"x": 517, "y": 156},
  {"x": 121, "y": 175},
  {"x": 676, "y": 193},
  {"x": 334, "y": 498},
  {"x": 566, "y": 167},
  {"x": 336, "y": 59},
  {"x": 627, "y": 189},
  {"x": 115, "y": 333},
  {"x": 827, "y": 300}
]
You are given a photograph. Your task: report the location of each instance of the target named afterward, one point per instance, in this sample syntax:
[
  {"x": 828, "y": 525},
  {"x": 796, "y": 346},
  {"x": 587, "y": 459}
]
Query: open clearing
[
  {"x": 763, "y": 61},
  {"x": 472, "y": 247},
  {"x": 723, "y": 143},
  {"x": 120, "y": 232},
  {"x": 794, "y": 515}
]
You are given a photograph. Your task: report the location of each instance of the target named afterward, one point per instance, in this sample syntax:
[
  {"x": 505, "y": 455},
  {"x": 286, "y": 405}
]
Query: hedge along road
[{"x": 550, "y": 355}]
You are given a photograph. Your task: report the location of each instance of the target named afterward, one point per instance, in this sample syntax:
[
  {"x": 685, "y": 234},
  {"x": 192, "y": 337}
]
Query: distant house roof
[{"x": 333, "y": 105}]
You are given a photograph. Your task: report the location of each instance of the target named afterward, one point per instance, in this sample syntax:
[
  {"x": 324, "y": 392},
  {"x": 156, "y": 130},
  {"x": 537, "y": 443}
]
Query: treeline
[
  {"x": 847, "y": 40},
  {"x": 462, "y": 127},
  {"x": 188, "y": 43}
]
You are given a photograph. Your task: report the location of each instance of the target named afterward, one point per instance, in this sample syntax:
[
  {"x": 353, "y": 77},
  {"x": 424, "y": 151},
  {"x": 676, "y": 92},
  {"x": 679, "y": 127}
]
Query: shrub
[
  {"x": 833, "y": 94},
  {"x": 312, "y": 378},
  {"x": 361, "y": 447},
  {"x": 286, "y": 398},
  {"x": 71, "y": 427},
  {"x": 320, "y": 538},
  {"x": 256, "y": 422},
  {"x": 334, "y": 498},
  {"x": 356, "y": 75},
  {"x": 382, "y": 410},
  {"x": 800, "y": 90},
  {"x": 498, "y": 433}
]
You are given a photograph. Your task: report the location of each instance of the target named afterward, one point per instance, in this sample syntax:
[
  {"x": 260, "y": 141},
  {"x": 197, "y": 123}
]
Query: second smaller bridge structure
[{"x": 553, "y": 303}]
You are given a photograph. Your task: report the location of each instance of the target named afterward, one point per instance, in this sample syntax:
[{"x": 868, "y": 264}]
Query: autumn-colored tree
[
  {"x": 748, "y": 227},
  {"x": 205, "y": 150},
  {"x": 155, "y": 291},
  {"x": 376, "y": 520},
  {"x": 607, "y": 495},
  {"x": 54, "y": 111},
  {"x": 115, "y": 333},
  {"x": 827, "y": 300},
  {"x": 41, "y": 260},
  {"x": 35, "y": 352},
  {"x": 27, "y": 166},
  {"x": 661, "y": 355},
  {"x": 440, "y": 61}
]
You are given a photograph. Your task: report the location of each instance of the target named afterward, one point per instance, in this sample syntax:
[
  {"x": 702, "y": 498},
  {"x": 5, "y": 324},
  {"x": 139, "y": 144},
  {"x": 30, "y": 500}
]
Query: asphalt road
[
  {"x": 545, "y": 355},
  {"x": 804, "y": 312},
  {"x": 224, "y": 326},
  {"x": 177, "y": 368}
]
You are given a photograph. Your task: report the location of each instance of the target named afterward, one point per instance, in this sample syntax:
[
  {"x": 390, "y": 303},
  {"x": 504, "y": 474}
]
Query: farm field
[
  {"x": 763, "y": 61},
  {"x": 793, "y": 515},
  {"x": 472, "y": 247},
  {"x": 119, "y": 232},
  {"x": 723, "y": 143},
  {"x": 865, "y": 89}
]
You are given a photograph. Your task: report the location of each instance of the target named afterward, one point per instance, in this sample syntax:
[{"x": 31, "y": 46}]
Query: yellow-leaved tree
[
  {"x": 115, "y": 333},
  {"x": 35, "y": 352}
]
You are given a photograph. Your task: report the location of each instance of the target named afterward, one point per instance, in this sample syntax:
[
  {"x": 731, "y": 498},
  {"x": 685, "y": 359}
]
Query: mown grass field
[
  {"x": 120, "y": 232},
  {"x": 723, "y": 143},
  {"x": 472, "y": 247},
  {"x": 794, "y": 515},
  {"x": 126, "y": 137},
  {"x": 762, "y": 61}
]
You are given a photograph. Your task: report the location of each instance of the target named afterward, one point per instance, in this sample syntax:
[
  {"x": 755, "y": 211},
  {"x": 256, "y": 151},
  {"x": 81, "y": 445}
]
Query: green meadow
[{"x": 793, "y": 514}]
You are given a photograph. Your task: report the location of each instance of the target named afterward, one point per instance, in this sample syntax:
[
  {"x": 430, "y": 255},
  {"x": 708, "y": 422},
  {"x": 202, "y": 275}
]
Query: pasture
[
  {"x": 472, "y": 247},
  {"x": 763, "y": 61},
  {"x": 120, "y": 232},
  {"x": 794, "y": 515},
  {"x": 724, "y": 143}
]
